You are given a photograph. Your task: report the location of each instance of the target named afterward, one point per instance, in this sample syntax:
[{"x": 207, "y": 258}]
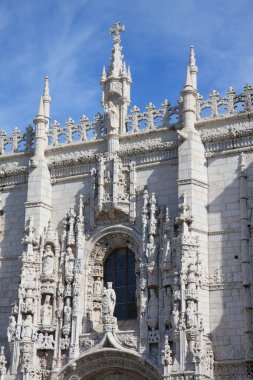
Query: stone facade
[{"x": 172, "y": 185}]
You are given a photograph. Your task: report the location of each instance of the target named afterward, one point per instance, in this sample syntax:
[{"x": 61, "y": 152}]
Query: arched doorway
[{"x": 110, "y": 364}]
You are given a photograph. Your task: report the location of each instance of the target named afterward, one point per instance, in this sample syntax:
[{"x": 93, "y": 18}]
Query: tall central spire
[
  {"x": 115, "y": 90},
  {"x": 117, "y": 65}
]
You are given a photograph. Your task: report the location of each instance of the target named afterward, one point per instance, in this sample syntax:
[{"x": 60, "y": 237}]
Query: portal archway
[{"x": 110, "y": 364}]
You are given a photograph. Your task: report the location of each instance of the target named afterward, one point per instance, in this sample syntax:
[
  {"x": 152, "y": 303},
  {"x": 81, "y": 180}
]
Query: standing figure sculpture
[
  {"x": 46, "y": 312},
  {"x": 11, "y": 329},
  {"x": 27, "y": 328},
  {"x": 112, "y": 115},
  {"x": 69, "y": 262},
  {"x": 48, "y": 261},
  {"x": 153, "y": 310},
  {"x": 108, "y": 300}
]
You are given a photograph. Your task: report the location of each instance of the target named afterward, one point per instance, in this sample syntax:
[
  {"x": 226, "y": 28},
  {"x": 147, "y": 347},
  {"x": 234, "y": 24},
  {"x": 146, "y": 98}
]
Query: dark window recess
[{"x": 120, "y": 270}]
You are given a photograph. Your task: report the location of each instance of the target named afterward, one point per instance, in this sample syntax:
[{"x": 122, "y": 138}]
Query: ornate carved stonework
[{"x": 136, "y": 234}]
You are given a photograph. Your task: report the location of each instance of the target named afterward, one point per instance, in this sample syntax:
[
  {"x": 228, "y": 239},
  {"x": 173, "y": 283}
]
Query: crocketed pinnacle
[{"x": 116, "y": 67}]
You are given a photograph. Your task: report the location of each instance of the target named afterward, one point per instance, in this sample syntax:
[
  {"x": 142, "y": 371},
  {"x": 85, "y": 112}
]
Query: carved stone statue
[
  {"x": 108, "y": 300},
  {"x": 27, "y": 328},
  {"x": 175, "y": 317},
  {"x": 190, "y": 315},
  {"x": 67, "y": 313},
  {"x": 11, "y": 328},
  {"x": 112, "y": 115},
  {"x": 48, "y": 261},
  {"x": 97, "y": 288},
  {"x": 151, "y": 251},
  {"x": 69, "y": 262},
  {"x": 152, "y": 310},
  {"x": 46, "y": 312}
]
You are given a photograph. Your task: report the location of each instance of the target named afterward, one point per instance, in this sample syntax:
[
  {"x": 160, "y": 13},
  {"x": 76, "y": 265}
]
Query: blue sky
[{"x": 68, "y": 40}]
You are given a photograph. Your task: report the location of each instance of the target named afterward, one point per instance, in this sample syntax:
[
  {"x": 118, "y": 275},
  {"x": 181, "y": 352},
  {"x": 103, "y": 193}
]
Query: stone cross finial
[{"x": 116, "y": 30}]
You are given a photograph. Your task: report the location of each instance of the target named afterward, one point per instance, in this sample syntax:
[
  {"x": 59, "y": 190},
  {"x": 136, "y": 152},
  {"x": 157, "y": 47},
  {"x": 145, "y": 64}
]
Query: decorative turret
[
  {"x": 193, "y": 68},
  {"x": 115, "y": 90},
  {"x": 46, "y": 100},
  {"x": 40, "y": 122}
]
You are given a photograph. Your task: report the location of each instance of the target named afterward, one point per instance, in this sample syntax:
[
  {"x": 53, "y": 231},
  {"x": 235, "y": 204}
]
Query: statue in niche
[
  {"x": 67, "y": 312},
  {"x": 112, "y": 115},
  {"x": 175, "y": 317},
  {"x": 48, "y": 260},
  {"x": 167, "y": 310},
  {"x": 152, "y": 310},
  {"x": 27, "y": 328},
  {"x": 11, "y": 329},
  {"x": 46, "y": 312},
  {"x": 151, "y": 250},
  {"x": 108, "y": 300},
  {"x": 97, "y": 288},
  {"x": 69, "y": 262},
  {"x": 190, "y": 315}
]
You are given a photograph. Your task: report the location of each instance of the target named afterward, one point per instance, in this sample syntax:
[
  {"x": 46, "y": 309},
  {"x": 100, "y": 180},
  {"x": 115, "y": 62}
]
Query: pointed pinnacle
[
  {"x": 192, "y": 61},
  {"x": 188, "y": 81},
  {"x": 46, "y": 87}
]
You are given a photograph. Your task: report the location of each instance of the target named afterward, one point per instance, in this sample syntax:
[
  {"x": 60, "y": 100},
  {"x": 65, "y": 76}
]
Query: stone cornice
[
  {"x": 192, "y": 181},
  {"x": 38, "y": 204},
  {"x": 144, "y": 147},
  {"x": 223, "y": 119}
]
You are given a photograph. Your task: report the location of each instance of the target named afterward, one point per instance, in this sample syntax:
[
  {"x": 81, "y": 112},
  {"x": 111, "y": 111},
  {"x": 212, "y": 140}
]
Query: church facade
[{"x": 126, "y": 241}]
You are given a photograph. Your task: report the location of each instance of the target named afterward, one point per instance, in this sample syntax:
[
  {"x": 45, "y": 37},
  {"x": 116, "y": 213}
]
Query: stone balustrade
[
  {"x": 232, "y": 103},
  {"x": 152, "y": 118}
]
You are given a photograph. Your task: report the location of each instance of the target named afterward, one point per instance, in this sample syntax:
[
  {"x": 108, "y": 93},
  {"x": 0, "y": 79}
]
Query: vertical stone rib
[{"x": 246, "y": 270}]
